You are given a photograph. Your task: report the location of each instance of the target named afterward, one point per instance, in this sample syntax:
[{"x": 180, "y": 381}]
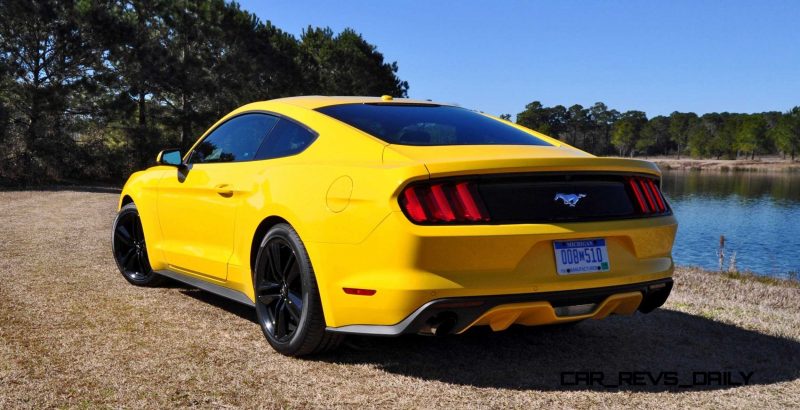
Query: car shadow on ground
[{"x": 665, "y": 350}]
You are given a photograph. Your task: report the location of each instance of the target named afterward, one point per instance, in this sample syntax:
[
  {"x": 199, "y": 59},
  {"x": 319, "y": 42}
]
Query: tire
[
  {"x": 129, "y": 248},
  {"x": 288, "y": 304}
]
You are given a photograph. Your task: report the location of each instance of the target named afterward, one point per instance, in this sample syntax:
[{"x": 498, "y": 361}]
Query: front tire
[
  {"x": 288, "y": 304},
  {"x": 130, "y": 250}
]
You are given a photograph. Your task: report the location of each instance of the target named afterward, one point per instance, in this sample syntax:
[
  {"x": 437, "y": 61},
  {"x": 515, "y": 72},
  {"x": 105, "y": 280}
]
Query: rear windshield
[{"x": 407, "y": 124}]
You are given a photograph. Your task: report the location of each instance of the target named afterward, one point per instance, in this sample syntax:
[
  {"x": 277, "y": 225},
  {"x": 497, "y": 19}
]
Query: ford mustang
[{"x": 381, "y": 216}]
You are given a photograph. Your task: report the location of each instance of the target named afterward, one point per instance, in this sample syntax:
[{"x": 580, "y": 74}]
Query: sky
[{"x": 497, "y": 56}]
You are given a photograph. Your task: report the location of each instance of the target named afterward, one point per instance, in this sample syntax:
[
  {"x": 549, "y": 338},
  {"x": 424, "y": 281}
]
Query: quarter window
[
  {"x": 286, "y": 138},
  {"x": 238, "y": 139}
]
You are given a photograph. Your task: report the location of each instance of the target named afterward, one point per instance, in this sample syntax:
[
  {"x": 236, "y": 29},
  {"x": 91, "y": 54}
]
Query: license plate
[{"x": 581, "y": 256}]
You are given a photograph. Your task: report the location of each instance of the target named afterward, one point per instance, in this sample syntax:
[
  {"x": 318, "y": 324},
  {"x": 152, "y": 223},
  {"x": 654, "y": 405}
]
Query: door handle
[{"x": 224, "y": 190}]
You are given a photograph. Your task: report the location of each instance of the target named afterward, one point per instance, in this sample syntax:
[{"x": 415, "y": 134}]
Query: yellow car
[{"x": 381, "y": 216}]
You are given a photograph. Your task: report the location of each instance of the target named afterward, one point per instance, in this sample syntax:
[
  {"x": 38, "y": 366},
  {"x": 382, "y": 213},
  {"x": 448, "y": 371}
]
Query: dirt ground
[{"x": 74, "y": 333}]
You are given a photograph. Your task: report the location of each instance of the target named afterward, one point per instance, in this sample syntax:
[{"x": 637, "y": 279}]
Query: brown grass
[
  {"x": 727, "y": 165},
  {"x": 73, "y": 333}
]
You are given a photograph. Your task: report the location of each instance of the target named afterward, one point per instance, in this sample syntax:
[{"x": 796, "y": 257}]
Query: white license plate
[{"x": 581, "y": 256}]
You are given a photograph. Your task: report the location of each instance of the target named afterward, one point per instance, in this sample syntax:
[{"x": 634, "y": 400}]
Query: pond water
[{"x": 758, "y": 213}]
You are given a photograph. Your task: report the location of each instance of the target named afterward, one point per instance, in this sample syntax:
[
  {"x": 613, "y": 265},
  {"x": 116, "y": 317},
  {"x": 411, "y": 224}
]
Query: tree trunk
[
  {"x": 142, "y": 114},
  {"x": 186, "y": 126},
  {"x": 36, "y": 107}
]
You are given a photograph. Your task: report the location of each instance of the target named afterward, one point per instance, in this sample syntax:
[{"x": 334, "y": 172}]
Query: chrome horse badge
[{"x": 569, "y": 199}]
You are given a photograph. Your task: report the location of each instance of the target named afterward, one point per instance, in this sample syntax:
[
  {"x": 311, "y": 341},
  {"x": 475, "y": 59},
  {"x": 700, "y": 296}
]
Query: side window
[
  {"x": 287, "y": 138},
  {"x": 238, "y": 139}
]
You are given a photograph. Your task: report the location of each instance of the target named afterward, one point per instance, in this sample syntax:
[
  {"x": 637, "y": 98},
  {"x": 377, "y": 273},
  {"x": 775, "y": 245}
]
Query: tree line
[
  {"x": 603, "y": 131},
  {"x": 92, "y": 89}
]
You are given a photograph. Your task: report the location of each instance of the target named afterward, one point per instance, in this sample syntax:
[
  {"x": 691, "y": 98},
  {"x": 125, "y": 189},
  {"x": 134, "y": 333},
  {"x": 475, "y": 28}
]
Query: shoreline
[
  {"x": 773, "y": 164},
  {"x": 788, "y": 280}
]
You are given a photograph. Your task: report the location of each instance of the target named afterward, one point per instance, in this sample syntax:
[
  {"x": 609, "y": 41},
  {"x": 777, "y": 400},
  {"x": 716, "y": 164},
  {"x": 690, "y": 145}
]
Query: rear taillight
[
  {"x": 647, "y": 196},
  {"x": 456, "y": 202}
]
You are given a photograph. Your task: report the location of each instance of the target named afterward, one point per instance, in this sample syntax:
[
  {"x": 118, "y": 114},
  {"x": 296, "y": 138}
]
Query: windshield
[{"x": 423, "y": 124}]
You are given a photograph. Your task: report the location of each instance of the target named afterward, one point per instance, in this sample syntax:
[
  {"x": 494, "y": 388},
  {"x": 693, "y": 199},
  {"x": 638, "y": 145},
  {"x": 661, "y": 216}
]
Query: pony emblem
[{"x": 569, "y": 199}]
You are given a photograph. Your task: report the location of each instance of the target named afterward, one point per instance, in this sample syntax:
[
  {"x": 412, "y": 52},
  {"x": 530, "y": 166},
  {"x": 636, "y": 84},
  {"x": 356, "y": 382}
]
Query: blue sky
[{"x": 497, "y": 56}]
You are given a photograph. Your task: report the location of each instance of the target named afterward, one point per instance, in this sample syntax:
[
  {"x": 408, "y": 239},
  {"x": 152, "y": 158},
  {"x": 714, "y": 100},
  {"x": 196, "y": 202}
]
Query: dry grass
[
  {"x": 725, "y": 165},
  {"x": 73, "y": 333}
]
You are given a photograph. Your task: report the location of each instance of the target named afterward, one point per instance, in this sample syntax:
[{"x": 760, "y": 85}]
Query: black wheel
[
  {"x": 287, "y": 298},
  {"x": 130, "y": 251}
]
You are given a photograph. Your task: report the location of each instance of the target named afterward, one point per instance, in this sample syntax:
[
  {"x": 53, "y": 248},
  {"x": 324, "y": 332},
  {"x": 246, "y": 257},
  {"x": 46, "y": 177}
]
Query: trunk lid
[{"x": 451, "y": 160}]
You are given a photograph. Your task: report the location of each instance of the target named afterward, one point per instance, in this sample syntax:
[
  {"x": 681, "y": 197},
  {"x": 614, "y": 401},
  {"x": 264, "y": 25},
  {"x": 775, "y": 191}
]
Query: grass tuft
[{"x": 790, "y": 281}]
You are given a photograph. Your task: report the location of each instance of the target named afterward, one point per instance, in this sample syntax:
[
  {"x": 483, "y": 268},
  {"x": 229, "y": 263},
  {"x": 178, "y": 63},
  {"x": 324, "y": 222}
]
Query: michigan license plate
[{"x": 581, "y": 256}]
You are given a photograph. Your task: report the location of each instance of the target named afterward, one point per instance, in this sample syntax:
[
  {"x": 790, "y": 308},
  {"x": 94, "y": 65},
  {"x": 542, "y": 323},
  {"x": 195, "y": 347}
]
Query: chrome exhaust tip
[{"x": 575, "y": 310}]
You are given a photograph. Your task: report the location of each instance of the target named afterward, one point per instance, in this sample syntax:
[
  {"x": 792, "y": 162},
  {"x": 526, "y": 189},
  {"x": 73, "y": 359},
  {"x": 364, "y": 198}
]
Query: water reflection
[
  {"x": 759, "y": 214},
  {"x": 779, "y": 186}
]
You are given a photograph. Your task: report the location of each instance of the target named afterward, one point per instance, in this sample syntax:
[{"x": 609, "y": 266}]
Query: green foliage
[
  {"x": 602, "y": 122},
  {"x": 92, "y": 89},
  {"x": 680, "y": 127},
  {"x": 719, "y": 135},
  {"x": 752, "y": 130},
  {"x": 627, "y": 131},
  {"x": 345, "y": 64},
  {"x": 551, "y": 121},
  {"x": 786, "y": 133},
  {"x": 623, "y": 136},
  {"x": 655, "y": 136}
]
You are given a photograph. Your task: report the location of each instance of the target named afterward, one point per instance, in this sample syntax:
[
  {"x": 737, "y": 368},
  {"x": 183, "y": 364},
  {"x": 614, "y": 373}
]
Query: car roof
[{"x": 317, "y": 101}]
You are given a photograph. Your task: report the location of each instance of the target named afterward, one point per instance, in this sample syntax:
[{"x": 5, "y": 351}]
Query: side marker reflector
[{"x": 359, "y": 292}]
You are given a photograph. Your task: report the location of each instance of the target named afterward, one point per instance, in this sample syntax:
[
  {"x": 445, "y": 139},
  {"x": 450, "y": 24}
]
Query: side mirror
[{"x": 171, "y": 157}]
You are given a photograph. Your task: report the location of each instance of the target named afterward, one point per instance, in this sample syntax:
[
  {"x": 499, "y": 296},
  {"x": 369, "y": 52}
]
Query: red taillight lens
[
  {"x": 440, "y": 206},
  {"x": 413, "y": 205},
  {"x": 471, "y": 209},
  {"x": 443, "y": 203},
  {"x": 638, "y": 195},
  {"x": 647, "y": 195},
  {"x": 657, "y": 193}
]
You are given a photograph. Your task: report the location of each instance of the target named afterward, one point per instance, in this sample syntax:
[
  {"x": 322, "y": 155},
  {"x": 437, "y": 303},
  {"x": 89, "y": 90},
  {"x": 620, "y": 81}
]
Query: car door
[{"x": 197, "y": 204}]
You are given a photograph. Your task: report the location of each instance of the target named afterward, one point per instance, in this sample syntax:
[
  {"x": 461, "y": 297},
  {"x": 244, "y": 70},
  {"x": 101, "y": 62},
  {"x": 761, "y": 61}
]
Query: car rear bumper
[
  {"x": 412, "y": 267},
  {"x": 456, "y": 315}
]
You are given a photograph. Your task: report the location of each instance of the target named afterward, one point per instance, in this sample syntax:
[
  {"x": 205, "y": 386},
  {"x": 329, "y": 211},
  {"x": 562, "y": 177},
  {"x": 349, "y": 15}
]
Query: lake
[{"x": 758, "y": 213}]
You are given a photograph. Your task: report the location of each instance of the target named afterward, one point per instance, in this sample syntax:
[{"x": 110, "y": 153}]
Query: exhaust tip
[
  {"x": 575, "y": 310},
  {"x": 442, "y": 324},
  {"x": 655, "y": 297}
]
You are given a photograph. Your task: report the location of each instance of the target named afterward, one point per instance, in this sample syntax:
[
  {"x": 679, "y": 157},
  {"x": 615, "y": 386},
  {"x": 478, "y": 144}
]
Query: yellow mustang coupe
[{"x": 381, "y": 216}]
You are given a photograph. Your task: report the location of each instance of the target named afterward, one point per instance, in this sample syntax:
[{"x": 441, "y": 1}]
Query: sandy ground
[
  {"x": 74, "y": 333},
  {"x": 766, "y": 164}
]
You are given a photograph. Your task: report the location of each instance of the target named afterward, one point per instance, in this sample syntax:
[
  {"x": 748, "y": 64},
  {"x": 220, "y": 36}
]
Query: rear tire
[
  {"x": 288, "y": 304},
  {"x": 129, "y": 248}
]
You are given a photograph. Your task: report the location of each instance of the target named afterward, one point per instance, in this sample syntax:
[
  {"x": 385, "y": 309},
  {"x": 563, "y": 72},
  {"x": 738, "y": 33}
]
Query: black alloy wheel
[
  {"x": 279, "y": 291},
  {"x": 130, "y": 250},
  {"x": 287, "y": 299}
]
